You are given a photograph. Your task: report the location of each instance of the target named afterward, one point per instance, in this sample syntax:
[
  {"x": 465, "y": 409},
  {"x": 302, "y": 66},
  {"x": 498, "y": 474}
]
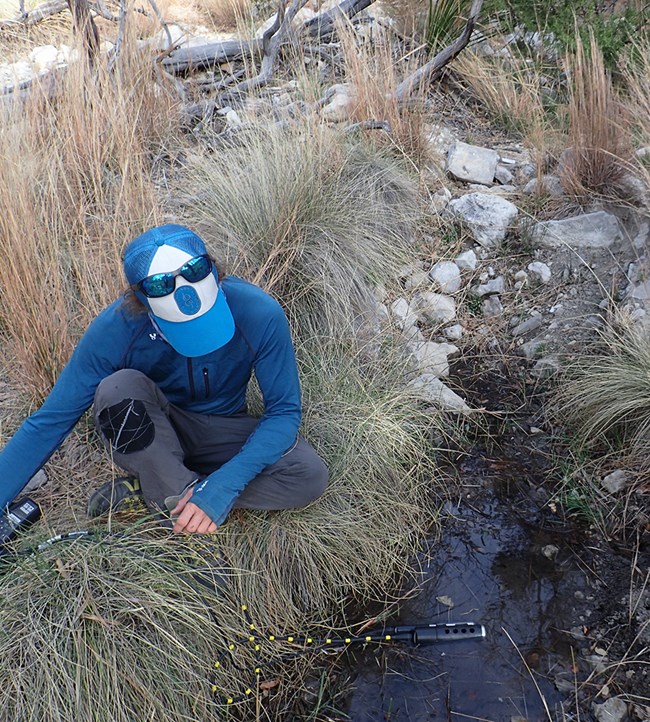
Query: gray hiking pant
[{"x": 168, "y": 448}]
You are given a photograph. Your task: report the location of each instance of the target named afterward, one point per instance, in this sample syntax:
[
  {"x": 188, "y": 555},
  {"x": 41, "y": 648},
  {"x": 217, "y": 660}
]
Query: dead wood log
[
  {"x": 429, "y": 71},
  {"x": 200, "y": 57},
  {"x": 324, "y": 24},
  {"x": 34, "y": 16}
]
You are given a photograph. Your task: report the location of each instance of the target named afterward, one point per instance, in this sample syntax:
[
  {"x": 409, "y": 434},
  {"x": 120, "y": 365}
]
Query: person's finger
[
  {"x": 182, "y": 502},
  {"x": 184, "y": 518}
]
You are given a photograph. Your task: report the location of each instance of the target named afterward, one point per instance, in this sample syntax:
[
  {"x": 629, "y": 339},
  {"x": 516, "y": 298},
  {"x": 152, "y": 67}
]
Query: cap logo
[{"x": 187, "y": 300}]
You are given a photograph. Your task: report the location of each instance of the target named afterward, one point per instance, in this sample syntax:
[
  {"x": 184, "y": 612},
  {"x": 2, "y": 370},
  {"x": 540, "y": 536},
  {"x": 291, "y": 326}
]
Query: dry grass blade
[
  {"x": 76, "y": 175},
  {"x": 600, "y": 149}
]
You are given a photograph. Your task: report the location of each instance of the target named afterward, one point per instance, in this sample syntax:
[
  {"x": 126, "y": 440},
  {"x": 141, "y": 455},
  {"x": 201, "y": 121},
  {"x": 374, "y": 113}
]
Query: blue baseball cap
[{"x": 194, "y": 318}]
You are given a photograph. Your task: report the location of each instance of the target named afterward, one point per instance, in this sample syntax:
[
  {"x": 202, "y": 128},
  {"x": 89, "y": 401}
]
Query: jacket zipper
[
  {"x": 190, "y": 373},
  {"x": 206, "y": 382}
]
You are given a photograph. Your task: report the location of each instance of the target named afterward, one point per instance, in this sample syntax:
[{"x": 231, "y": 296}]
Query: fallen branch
[
  {"x": 272, "y": 39},
  {"x": 429, "y": 71}
]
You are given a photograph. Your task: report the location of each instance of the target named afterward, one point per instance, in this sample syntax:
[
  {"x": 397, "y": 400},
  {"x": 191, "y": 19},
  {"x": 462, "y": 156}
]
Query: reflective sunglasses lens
[
  {"x": 158, "y": 285},
  {"x": 196, "y": 269}
]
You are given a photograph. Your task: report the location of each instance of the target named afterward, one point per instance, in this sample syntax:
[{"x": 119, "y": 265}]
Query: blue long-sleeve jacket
[{"x": 216, "y": 383}]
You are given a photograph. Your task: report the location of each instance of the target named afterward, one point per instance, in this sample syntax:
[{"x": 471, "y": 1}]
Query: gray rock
[
  {"x": 613, "y": 709},
  {"x": 488, "y": 217},
  {"x": 415, "y": 280},
  {"x": 440, "y": 199},
  {"x": 454, "y": 333},
  {"x": 434, "y": 307},
  {"x": 404, "y": 315},
  {"x": 471, "y": 163},
  {"x": 530, "y": 324},
  {"x": 503, "y": 175},
  {"x": 466, "y": 261},
  {"x": 446, "y": 277},
  {"x": 492, "y": 287},
  {"x": 491, "y": 306},
  {"x": 641, "y": 292},
  {"x": 590, "y": 230},
  {"x": 39, "y": 479},
  {"x": 530, "y": 349},
  {"x": 616, "y": 481},
  {"x": 547, "y": 185},
  {"x": 547, "y": 366}
]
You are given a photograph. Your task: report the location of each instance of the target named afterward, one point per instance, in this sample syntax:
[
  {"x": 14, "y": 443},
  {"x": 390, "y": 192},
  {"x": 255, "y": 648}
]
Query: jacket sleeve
[
  {"x": 277, "y": 374},
  {"x": 43, "y": 432}
]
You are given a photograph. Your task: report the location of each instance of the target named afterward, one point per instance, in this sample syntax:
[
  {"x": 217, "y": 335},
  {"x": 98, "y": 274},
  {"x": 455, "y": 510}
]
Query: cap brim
[{"x": 203, "y": 334}]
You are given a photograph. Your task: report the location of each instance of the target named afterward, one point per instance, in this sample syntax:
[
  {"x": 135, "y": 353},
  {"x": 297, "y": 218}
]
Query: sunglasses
[{"x": 162, "y": 284}]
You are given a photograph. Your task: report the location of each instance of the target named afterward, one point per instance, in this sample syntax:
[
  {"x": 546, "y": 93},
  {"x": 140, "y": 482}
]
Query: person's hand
[{"x": 191, "y": 519}]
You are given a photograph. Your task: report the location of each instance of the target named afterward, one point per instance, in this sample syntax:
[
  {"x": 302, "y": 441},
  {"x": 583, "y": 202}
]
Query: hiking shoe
[{"x": 114, "y": 495}]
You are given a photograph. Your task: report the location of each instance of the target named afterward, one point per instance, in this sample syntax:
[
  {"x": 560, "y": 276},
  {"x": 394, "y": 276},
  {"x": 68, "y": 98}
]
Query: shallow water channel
[{"x": 493, "y": 566}]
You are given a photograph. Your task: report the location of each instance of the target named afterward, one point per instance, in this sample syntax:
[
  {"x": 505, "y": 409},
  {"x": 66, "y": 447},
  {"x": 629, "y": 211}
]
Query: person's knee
[
  {"x": 126, "y": 426},
  {"x": 316, "y": 480}
]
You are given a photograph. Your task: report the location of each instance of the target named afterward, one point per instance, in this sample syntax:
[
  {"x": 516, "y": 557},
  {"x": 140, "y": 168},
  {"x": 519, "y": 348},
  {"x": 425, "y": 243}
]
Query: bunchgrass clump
[
  {"x": 605, "y": 396},
  {"x": 599, "y": 146},
  {"x": 313, "y": 219},
  {"x": 376, "y": 436}
]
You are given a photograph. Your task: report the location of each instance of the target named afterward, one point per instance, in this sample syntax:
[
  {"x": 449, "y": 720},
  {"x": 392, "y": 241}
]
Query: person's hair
[{"x": 135, "y": 306}]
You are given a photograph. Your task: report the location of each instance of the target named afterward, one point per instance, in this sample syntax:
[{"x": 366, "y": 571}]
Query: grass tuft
[
  {"x": 314, "y": 220},
  {"x": 606, "y": 392},
  {"x": 599, "y": 152}
]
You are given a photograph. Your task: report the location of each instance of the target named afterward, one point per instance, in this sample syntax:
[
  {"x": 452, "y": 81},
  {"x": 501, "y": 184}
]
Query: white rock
[
  {"x": 454, "y": 333},
  {"x": 471, "y": 163},
  {"x": 616, "y": 481},
  {"x": 340, "y": 105},
  {"x": 540, "y": 270},
  {"x": 403, "y": 314},
  {"x": 44, "y": 57},
  {"x": 466, "y": 261},
  {"x": 446, "y": 277},
  {"x": 433, "y": 390},
  {"x": 488, "y": 217},
  {"x": 432, "y": 357},
  {"x": 590, "y": 230},
  {"x": 233, "y": 120},
  {"x": 434, "y": 307}
]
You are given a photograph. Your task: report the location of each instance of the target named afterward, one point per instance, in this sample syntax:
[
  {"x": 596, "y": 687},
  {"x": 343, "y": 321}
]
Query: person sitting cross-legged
[{"x": 166, "y": 368}]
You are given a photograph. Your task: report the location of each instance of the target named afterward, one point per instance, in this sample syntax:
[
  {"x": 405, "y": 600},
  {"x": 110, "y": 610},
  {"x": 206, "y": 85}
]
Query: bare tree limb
[
  {"x": 200, "y": 57},
  {"x": 427, "y": 72},
  {"x": 324, "y": 25}
]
